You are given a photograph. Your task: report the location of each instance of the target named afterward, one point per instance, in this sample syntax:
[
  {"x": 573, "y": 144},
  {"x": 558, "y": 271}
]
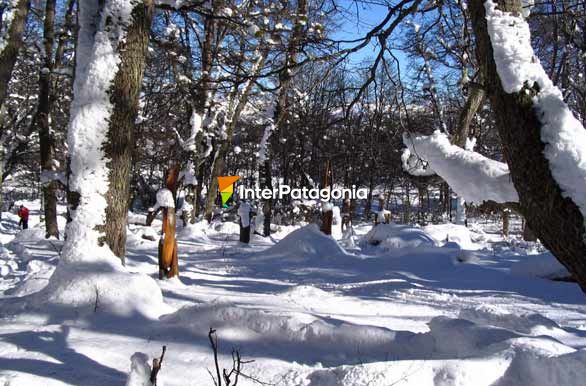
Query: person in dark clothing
[{"x": 23, "y": 214}]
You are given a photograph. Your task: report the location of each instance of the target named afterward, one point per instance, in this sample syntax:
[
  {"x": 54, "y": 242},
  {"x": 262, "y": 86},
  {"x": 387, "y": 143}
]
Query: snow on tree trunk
[
  {"x": 89, "y": 275},
  {"x": 13, "y": 22},
  {"x": 545, "y": 146},
  {"x": 460, "y": 211}
]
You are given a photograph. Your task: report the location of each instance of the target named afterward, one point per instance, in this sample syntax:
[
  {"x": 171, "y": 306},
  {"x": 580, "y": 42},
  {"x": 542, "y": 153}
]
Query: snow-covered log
[{"x": 470, "y": 174}]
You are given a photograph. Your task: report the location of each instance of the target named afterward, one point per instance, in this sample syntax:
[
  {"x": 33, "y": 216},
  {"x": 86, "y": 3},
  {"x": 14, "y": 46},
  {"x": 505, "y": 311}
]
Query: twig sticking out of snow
[
  {"x": 230, "y": 377},
  {"x": 157, "y": 362}
]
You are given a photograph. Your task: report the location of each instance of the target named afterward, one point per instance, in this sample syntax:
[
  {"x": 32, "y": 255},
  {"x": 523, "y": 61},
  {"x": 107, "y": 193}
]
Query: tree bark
[
  {"x": 124, "y": 98},
  {"x": 201, "y": 98},
  {"x": 280, "y": 114},
  {"x": 238, "y": 100},
  {"x": 12, "y": 36},
  {"x": 42, "y": 122},
  {"x": 555, "y": 219}
]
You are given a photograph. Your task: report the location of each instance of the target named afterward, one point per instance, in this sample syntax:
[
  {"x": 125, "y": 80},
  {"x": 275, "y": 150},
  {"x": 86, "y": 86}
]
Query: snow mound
[
  {"x": 227, "y": 227},
  {"x": 102, "y": 286},
  {"x": 530, "y": 323},
  {"x": 285, "y": 331},
  {"x": 308, "y": 243},
  {"x": 393, "y": 236},
  {"x": 445, "y": 233},
  {"x": 306, "y": 291},
  {"x": 544, "y": 265},
  {"x": 195, "y": 232},
  {"x": 142, "y": 236},
  {"x": 36, "y": 233}
]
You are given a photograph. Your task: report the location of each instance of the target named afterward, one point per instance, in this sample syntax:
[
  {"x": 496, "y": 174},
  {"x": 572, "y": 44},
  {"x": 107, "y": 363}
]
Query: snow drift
[
  {"x": 307, "y": 243},
  {"x": 393, "y": 236}
]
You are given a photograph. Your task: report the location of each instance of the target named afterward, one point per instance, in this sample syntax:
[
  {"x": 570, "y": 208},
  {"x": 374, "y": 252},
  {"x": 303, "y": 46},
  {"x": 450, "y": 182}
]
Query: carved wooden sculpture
[{"x": 168, "y": 264}]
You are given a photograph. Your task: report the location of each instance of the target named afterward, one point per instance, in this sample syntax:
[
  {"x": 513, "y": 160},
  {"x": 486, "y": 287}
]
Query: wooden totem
[{"x": 168, "y": 264}]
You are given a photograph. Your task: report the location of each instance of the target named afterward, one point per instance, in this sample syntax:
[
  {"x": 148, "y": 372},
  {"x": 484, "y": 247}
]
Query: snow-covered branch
[{"x": 470, "y": 174}]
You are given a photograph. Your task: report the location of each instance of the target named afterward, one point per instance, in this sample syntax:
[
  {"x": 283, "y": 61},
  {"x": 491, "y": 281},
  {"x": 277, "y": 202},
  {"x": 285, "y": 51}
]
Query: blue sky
[{"x": 360, "y": 18}]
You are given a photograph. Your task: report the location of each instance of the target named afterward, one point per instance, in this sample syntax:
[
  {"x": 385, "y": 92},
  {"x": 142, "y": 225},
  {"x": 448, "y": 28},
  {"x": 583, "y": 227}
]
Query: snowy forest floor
[{"x": 410, "y": 311}]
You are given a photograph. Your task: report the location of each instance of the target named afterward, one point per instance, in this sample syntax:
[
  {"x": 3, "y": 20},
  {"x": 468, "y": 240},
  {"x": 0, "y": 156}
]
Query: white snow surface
[
  {"x": 470, "y": 174},
  {"x": 306, "y": 310},
  {"x": 394, "y": 236},
  {"x": 563, "y": 135}
]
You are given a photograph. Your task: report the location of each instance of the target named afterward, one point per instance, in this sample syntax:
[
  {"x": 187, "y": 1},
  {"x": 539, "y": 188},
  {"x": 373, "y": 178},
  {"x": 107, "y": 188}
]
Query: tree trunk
[
  {"x": 42, "y": 122},
  {"x": 506, "y": 217},
  {"x": 327, "y": 215},
  {"x": 528, "y": 234},
  {"x": 238, "y": 100},
  {"x": 280, "y": 114},
  {"x": 118, "y": 149},
  {"x": 11, "y": 34},
  {"x": 555, "y": 219}
]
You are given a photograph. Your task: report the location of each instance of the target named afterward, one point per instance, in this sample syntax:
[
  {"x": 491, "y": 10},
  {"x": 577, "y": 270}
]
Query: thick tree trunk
[
  {"x": 43, "y": 123},
  {"x": 11, "y": 36},
  {"x": 124, "y": 98},
  {"x": 555, "y": 219}
]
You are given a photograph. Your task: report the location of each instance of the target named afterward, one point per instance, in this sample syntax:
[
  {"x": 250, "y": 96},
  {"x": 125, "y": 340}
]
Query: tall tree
[
  {"x": 111, "y": 50},
  {"x": 43, "y": 123},
  {"x": 551, "y": 211}
]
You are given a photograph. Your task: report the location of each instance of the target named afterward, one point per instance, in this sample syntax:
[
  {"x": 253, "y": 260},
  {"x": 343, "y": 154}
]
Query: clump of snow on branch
[
  {"x": 563, "y": 135},
  {"x": 471, "y": 175},
  {"x": 165, "y": 199},
  {"x": 414, "y": 165}
]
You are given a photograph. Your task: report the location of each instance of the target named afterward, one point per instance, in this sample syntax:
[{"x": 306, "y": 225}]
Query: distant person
[{"x": 23, "y": 214}]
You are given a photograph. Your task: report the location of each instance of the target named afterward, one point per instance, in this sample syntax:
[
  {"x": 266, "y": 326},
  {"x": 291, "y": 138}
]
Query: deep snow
[{"x": 460, "y": 306}]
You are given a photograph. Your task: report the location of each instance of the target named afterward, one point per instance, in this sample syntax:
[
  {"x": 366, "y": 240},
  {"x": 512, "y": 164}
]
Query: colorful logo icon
[{"x": 226, "y": 186}]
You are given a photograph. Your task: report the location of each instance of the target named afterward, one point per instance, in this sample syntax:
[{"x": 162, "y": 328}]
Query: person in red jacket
[{"x": 23, "y": 214}]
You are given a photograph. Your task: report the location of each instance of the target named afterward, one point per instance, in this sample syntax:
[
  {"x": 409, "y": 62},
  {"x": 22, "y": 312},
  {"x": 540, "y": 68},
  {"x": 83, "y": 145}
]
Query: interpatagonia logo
[{"x": 226, "y": 187}]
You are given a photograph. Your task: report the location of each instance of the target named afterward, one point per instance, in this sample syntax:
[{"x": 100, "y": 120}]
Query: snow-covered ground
[{"x": 439, "y": 305}]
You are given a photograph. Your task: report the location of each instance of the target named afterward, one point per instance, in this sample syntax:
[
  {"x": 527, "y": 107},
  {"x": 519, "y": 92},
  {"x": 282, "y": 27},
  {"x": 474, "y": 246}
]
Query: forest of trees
[{"x": 121, "y": 92}]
